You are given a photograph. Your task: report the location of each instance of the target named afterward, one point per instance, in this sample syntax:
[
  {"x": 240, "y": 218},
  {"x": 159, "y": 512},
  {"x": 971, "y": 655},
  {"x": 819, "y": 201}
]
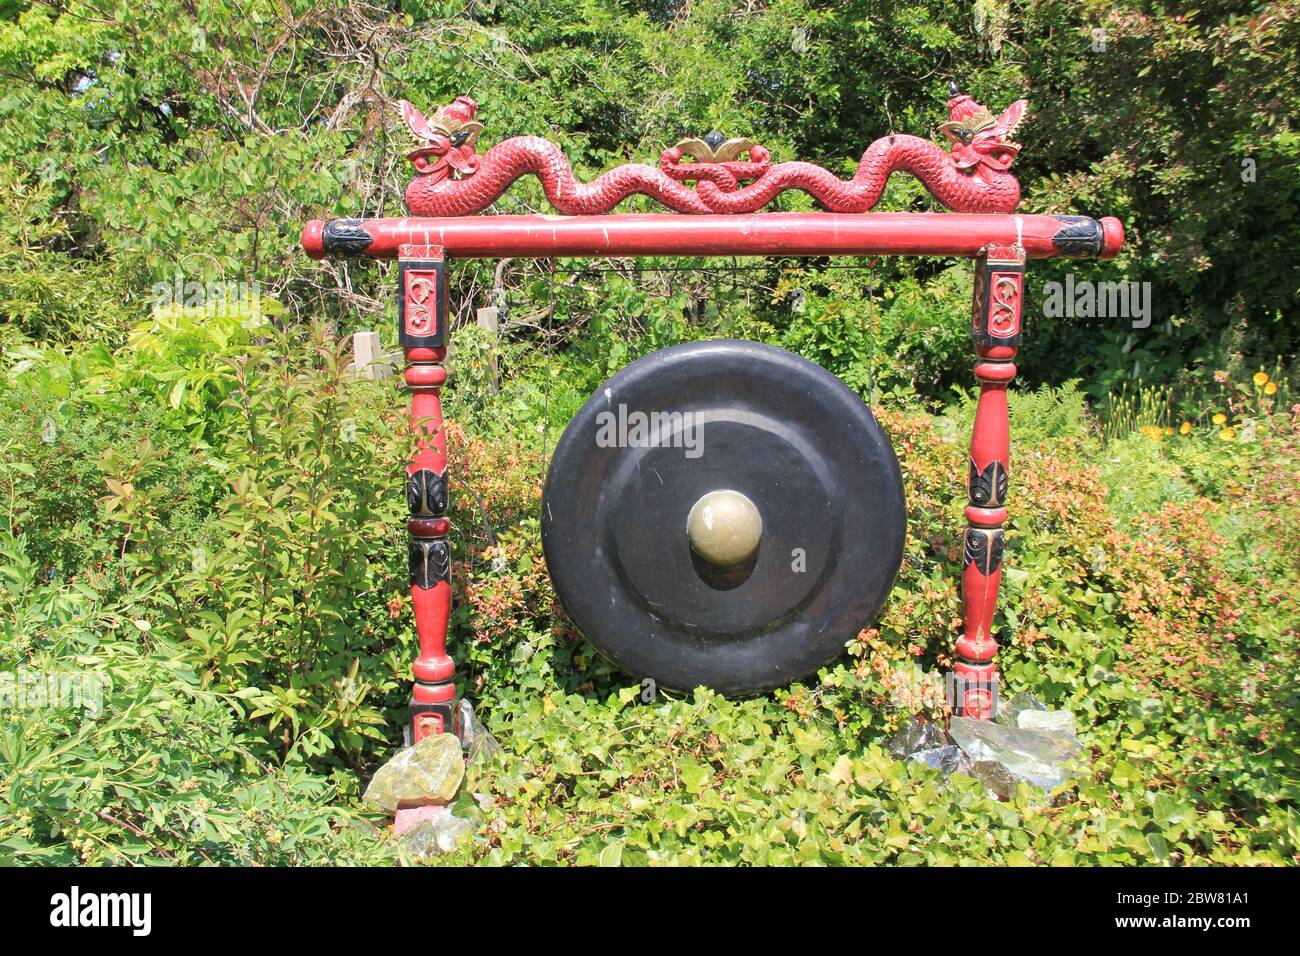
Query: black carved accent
[
  {"x": 987, "y": 488},
  {"x": 984, "y": 304},
  {"x": 345, "y": 237},
  {"x": 419, "y": 567},
  {"x": 430, "y": 561},
  {"x": 980, "y": 309},
  {"x": 440, "y": 559},
  {"x": 1079, "y": 238},
  {"x": 426, "y": 493},
  {"x": 435, "y": 493},
  {"x": 983, "y": 548},
  {"x": 436, "y": 336},
  {"x": 414, "y": 493}
]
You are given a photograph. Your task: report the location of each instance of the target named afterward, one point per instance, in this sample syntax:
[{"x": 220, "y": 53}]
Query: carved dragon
[{"x": 452, "y": 179}]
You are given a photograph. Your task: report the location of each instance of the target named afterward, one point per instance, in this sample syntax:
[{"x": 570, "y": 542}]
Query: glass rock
[
  {"x": 1053, "y": 721},
  {"x": 439, "y": 834},
  {"x": 948, "y": 759},
  {"x": 1009, "y": 711},
  {"x": 478, "y": 740},
  {"x": 1043, "y": 758},
  {"x": 428, "y": 773},
  {"x": 915, "y": 736}
]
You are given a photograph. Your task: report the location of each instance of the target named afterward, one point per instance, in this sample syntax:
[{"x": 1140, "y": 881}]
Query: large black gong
[{"x": 723, "y": 513}]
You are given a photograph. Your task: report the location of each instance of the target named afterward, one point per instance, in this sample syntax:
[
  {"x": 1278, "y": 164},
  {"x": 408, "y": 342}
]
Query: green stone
[{"x": 426, "y": 774}]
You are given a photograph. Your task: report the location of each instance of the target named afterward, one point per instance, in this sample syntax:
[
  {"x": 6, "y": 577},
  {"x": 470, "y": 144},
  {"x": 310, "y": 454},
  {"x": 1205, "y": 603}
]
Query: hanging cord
[
  {"x": 550, "y": 349},
  {"x": 735, "y": 287},
  {"x": 716, "y": 297},
  {"x": 871, "y": 332}
]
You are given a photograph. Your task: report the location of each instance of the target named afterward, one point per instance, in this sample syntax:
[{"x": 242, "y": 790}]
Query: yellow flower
[
  {"x": 1168, "y": 430},
  {"x": 1185, "y": 428},
  {"x": 1261, "y": 379},
  {"x": 1227, "y": 434},
  {"x": 1270, "y": 388},
  {"x": 1219, "y": 418}
]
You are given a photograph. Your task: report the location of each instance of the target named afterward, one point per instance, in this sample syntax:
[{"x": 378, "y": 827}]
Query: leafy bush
[
  {"x": 259, "y": 659},
  {"x": 1037, "y": 416},
  {"x": 200, "y": 511},
  {"x": 138, "y": 760}
]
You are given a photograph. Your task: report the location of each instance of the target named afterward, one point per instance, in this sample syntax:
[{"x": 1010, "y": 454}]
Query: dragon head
[
  {"x": 445, "y": 144},
  {"x": 981, "y": 142}
]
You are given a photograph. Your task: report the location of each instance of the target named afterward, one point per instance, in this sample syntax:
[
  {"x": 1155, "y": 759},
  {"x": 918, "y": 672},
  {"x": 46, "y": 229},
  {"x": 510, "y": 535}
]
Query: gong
[{"x": 723, "y": 513}]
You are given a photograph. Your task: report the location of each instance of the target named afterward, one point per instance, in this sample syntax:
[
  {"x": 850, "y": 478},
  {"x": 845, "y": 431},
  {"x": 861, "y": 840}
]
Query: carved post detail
[
  {"x": 422, "y": 331},
  {"x": 995, "y": 327}
]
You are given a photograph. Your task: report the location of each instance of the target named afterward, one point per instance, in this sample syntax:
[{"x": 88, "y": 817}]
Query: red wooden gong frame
[{"x": 971, "y": 178}]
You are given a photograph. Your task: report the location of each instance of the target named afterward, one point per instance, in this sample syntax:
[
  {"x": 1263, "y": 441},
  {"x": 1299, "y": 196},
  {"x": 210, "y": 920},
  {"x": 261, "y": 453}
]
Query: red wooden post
[
  {"x": 422, "y": 327},
  {"x": 995, "y": 326}
]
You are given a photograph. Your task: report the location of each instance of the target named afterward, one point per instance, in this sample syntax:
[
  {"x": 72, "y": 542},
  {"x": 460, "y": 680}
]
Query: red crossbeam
[{"x": 752, "y": 234}]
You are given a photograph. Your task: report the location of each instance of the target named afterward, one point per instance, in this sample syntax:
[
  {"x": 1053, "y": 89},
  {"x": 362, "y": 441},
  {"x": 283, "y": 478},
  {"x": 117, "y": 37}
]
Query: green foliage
[
  {"x": 44, "y": 288},
  {"x": 130, "y": 154},
  {"x": 133, "y": 759},
  {"x": 258, "y": 647},
  {"x": 200, "y": 514},
  {"x": 1037, "y": 416},
  {"x": 1147, "y": 410},
  {"x": 591, "y": 782}
]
